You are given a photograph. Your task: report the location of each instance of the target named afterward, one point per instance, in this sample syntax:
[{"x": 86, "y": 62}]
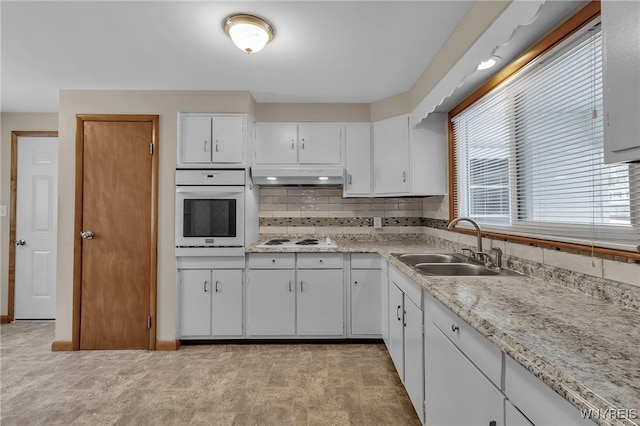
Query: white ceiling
[{"x": 323, "y": 51}]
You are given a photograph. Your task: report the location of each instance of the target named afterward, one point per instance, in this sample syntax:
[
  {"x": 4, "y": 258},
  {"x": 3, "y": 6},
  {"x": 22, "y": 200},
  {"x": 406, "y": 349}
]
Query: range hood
[{"x": 297, "y": 175}]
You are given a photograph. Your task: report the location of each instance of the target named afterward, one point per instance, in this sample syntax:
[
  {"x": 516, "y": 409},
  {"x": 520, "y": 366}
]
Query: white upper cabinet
[
  {"x": 358, "y": 160},
  {"x": 410, "y": 160},
  {"x": 307, "y": 143},
  {"x": 319, "y": 144},
  {"x": 391, "y": 156},
  {"x": 208, "y": 139},
  {"x": 621, "y": 50},
  {"x": 276, "y": 144}
]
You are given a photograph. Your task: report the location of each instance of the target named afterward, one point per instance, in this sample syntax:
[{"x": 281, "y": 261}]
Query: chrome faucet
[{"x": 475, "y": 225}]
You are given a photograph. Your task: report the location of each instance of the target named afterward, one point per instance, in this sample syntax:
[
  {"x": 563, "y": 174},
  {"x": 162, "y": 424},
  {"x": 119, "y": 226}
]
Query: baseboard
[
  {"x": 167, "y": 345},
  {"x": 4, "y": 319},
  {"x": 61, "y": 346}
]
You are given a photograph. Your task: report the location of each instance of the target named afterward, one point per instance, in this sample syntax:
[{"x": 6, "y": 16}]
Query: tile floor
[{"x": 301, "y": 384}]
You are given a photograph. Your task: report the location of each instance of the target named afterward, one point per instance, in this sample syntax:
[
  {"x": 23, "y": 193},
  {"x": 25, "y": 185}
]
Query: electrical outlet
[
  {"x": 377, "y": 222},
  {"x": 3, "y": 211}
]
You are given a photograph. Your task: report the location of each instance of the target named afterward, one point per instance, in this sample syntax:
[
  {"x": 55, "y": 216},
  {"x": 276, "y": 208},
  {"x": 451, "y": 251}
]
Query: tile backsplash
[{"x": 323, "y": 211}]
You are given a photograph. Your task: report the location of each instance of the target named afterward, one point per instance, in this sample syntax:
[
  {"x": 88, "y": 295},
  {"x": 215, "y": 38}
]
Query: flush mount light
[
  {"x": 272, "y": 178},
  {"x": 488, "y": 63},
  {"x": 323, "y": 178},
  {"x": 248, "y": 32}
]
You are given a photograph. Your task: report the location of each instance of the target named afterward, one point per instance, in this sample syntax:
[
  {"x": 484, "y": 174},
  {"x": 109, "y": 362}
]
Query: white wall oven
[{"x": 210, "y": 212}]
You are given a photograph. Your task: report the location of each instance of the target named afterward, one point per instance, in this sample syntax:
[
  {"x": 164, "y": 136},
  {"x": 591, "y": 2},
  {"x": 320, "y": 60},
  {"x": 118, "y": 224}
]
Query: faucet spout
[{"x": 475, "y": 225}]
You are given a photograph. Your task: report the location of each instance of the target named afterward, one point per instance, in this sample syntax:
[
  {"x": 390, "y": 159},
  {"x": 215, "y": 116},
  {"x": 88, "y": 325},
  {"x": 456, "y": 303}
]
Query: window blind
[{"x": 529, "y": 154}]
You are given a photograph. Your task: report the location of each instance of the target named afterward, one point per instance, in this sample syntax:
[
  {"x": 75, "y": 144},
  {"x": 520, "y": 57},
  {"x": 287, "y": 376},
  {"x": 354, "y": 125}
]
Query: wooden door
[{"x": 117, "y": 212}]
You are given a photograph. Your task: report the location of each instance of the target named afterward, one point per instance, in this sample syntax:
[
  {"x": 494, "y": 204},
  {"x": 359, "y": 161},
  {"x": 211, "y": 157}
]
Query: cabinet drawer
[
  {"x": 320, "y": 260},
  {"x": 272, "y": 261},
  {"x": 408, "y": 287},
  {"x": 485, "y": 355},
  {"x": 366, "y": 261},
  {"x": 529, "y": 393}
]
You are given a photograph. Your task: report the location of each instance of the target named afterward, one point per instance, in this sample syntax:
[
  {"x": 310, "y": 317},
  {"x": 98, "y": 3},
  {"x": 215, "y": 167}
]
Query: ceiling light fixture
[
  {"x": 248, "y": 32},
  {"x": 488, "y": 63}
]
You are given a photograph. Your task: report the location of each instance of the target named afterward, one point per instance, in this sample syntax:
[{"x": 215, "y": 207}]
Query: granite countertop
[{"x": 587, "y": 350}]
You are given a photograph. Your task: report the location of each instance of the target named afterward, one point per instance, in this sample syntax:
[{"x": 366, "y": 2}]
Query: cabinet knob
[
  {"x": 273, "y": 261},
  {"x": 355, "y": 283},
  {"x": 493, "y": 423},
  {"x": 320, "y": 260},
  {"x": 454, "y": 328}
]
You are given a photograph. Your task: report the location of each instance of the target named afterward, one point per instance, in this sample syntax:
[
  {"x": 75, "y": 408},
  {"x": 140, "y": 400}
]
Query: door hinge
[
  {"x": 150, "y": 149},
  {"x": 149, "y": 321}
]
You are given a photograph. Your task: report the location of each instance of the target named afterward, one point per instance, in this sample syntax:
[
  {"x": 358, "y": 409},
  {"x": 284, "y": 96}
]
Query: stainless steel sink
[
  {"x": 450, "y": 264},
  {"x": 455, "y": 269},
  {"x": 414, "y": 258}
]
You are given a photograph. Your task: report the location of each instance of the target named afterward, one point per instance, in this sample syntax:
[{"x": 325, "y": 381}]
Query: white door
[
  {"x": 320, "y": 302},
  {"x": 271, "y": 302},
  {"x": 319, "y": 143},
  {"x": 228, "y": 139},
  {"x": 365, "y": 301},
  {"x": 36, "y": 224},
  {"x": 358, "y": 159},
  {"x": 227, "y": 302},
  {"x": 196, "y": 140},
  {"x": 457, "y": 393},
  {"x": 396, "y": 328},
  {"x": 413, "y": 347},
  {"x": 391, "y": 156},
  {"x": 195, "y": 302},
  {"x": 276, "y": 144}
]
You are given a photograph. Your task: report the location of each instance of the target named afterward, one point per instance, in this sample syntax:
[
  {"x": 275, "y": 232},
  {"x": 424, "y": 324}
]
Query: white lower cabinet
[
  {"x": 365, "y": 293},
  {"x": 271, "y": 303},
  {"x": 365, "y": 302},
  {"x": 210, "y": 303},
  {"x": 320, "y": 307},
  {"x": 457, "y": 393},
  {"x": 405, "y": 336},
  {"x": 291, "y": 295},
  {"x": 529, "y": 394},
  {"x": 513, "y": 416}
]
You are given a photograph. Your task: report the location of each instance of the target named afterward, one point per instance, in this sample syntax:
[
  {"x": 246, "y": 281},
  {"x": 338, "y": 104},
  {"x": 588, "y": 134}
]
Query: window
[{"x": 529, "y": 154}]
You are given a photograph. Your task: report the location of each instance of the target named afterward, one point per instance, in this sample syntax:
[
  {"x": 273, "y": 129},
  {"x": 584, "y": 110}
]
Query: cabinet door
[
  {"x": 513, "y": 417},
  {"x": 195, "y": 139},
  {"x": 413, "y": 362},
  {"x": 271, "y": 302},
  {"x": 358, "y": 160},
  {"x": 319, "y": 144},
  {"x": 457, "y": 393},
  {"x": 228, "y": 139},
  {"x": 396, "y": 328},
  {"x": 391, "y": 156},
  {"x": 227, "y": 302},
  {"x": 384, "y": 308},
  {"x": 320, "y": 302},
  {"x": 621, "y": 91},
  {"x": 365, "y": 301},
  {"x": 195, "y": 302},
  {"x": 276, "y": 144}
]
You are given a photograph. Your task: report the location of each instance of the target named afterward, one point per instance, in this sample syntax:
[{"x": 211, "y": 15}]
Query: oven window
[{"x": 209, "y": 218}]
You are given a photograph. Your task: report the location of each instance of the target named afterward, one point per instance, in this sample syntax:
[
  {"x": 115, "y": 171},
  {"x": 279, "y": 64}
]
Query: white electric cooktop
[{"x": 320, "y": 243}]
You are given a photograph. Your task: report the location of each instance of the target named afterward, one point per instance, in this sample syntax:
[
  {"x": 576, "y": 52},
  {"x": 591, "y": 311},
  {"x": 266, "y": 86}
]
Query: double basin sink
[{"x": 449, "y": 264}]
